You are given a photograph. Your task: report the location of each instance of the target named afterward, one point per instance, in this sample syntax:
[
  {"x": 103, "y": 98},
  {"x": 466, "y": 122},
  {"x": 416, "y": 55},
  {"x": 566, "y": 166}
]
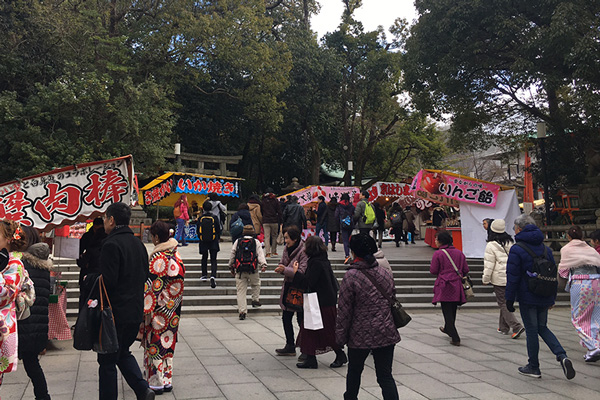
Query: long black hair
[{"x": 502, "y": 238}]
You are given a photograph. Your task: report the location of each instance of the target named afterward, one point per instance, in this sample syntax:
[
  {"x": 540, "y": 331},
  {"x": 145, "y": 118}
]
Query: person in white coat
[{"x": 494, "y": 272}]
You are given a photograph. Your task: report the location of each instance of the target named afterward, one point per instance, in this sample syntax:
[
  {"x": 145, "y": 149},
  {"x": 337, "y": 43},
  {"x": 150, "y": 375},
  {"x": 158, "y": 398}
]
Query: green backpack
[{"x": 369, "y": 217}]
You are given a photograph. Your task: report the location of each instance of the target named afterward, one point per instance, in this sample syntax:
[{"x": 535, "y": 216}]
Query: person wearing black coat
[
  {"x": 319, "y": 278},
  {"x": 380, "y": 218},
  {"x": 333, "y": 222},
  {"x": 90, "y": 247},
  {"x": 33, "y": 331},
  {"x": 242, "y": 213},
  {"x": 124, "y": 267}
]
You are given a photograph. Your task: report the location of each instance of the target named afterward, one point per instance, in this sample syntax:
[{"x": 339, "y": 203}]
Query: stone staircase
[{"x": 414, "y": 287}]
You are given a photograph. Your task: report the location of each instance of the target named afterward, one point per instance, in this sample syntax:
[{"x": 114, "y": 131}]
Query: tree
[
  {"x": 69, "y": 92},
  {"x": 492, "y": 62}
]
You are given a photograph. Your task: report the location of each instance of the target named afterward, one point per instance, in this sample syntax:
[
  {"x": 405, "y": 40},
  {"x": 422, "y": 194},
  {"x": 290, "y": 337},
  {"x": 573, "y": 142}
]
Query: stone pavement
[{"x": 224, "y": 358}]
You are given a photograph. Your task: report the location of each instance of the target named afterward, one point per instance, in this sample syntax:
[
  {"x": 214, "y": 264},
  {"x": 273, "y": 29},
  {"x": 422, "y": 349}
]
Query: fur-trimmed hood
[
  {"x": 168, "y": 245},
  {"x": 37, "y": 256}
]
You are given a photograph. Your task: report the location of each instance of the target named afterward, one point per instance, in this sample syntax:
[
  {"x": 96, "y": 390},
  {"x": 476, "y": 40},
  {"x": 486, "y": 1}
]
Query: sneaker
[
  {"x": 347, "y": 260},
  {"x": 288, "y": 350},
  {"x": 518, "y": 333},
  {"x": 567, "y": 367},
  {"x": 213, "y": 282},
  {"x": 242, "y": 316},
  {"x": 502, "y": 332},
  {"x": 274, "y": 254},
  {"x": 267, "y": 255},
  {"x": 256, "y": 303},
  {"x": 203, "y": 278},
  {"x": 530, "y": 371}
]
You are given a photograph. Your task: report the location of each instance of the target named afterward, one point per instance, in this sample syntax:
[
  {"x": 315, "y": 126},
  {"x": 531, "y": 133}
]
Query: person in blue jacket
[{"x": 534, "y": 308}]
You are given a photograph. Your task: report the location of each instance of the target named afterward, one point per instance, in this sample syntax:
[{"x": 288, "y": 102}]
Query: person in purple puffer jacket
[
  {"x": 448, "y": 289},
  {"x": 364, "y": 319}
]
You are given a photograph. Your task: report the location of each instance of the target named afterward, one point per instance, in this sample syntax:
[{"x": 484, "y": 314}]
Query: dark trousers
[
  {"x": 535, "y": 319},
  {"x": 449, "y": 310},
  {"x": 322, "y": 227},
  {"x": 346, "y": 240},
  {"x": 34, "y": 371},
  {"x": 288, "y": 326},
  {"x": 213, "y": 262},
  {"x": 180, "y": 230},
  {"x": 107, "y": 371},
  {"x": 333, "y": 239},
  {"x": 383, "y": 357}
]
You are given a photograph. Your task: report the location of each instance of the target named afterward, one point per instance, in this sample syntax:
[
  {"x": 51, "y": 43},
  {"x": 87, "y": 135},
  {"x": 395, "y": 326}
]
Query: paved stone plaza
[{"x": 224, "y": 358}]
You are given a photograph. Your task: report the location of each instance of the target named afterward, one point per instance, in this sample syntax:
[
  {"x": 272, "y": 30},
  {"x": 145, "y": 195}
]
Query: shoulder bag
[
  {"x": 25, "y": 298},
  {"x": 400, "y": 316},
  {"x": 107, "y": 336},
  {"x": 466, "y": 281}
]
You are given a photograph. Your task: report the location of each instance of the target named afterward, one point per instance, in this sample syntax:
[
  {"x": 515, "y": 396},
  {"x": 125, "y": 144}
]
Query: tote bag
[
  {"x": 312, "y": 312},
  {"x": 107, "y": 336},
  {"x": 88, "y": 322}
]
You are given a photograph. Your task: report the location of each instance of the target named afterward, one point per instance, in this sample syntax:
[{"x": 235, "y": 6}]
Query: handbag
[
  {"x": 399, "y": 314},
  {"x": 177, "y": 212},
  {"x": 312, "y": 312},
  {"x": 107, "y": 335},
  {"x": 466, "y": 280},
  {"x": 87, "y": 325},
  {"x": 25, "y": 298},
  {"x": 280, "y": 239},
  {"x": 293, "y": 297}
]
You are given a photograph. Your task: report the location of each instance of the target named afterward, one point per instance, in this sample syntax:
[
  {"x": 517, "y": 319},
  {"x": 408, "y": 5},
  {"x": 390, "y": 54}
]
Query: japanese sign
[
  {"x": 311, "y": 193},
  {"x": 397, "y": 192},
  {"x": 449, "y": 189},
  {"x": 191, "y": 184},
  {"x": 66, "y": 194}
]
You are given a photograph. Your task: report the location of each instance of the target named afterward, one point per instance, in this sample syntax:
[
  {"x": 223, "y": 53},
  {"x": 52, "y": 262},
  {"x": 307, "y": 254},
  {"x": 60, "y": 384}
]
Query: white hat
[{"x": 498, "y": 226}]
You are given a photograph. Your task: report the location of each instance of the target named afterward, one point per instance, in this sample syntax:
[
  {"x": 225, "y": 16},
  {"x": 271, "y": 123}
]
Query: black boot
[
  {"x": 288, "y": 350},
  {"x": 340, "y": 359},
  {"x": 311, "y": 362}
]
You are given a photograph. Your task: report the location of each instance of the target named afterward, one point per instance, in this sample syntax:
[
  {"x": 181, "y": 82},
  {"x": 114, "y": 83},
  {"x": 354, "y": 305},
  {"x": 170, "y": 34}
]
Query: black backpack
[
  {"x": 396, "y": 219},
  {"x": 246, "y": 259},
  {"x": 206, "y": 228},
  {"x": 543, "y": 278}
]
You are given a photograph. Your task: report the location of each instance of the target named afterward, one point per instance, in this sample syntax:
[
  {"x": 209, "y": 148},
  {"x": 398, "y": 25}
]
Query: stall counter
[{"x": 456, "y": 236}]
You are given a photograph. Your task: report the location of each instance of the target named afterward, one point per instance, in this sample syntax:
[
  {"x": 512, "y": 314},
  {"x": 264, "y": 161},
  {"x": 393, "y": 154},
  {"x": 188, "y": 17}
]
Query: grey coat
[{"x": 359, "y": 213}]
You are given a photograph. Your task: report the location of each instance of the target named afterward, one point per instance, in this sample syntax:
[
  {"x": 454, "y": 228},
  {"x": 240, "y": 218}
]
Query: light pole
[
  {"x": 349, "y": 167},
  {"x": 177, "y": 156},
  {"x": 541, "y": 135}
]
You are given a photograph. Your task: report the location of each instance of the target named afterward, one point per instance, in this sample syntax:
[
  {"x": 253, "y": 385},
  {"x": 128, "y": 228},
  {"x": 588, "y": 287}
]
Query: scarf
[
  {"x": 578, "y": 253},
  {"x": 168, "y": 245}
]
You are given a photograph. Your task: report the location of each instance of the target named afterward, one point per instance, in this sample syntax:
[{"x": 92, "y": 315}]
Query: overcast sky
[{"x": 372, "y": 14}]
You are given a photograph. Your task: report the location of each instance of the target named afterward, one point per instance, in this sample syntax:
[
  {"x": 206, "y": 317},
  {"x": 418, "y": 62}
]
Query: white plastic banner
[{"x": 472, "y": 215}]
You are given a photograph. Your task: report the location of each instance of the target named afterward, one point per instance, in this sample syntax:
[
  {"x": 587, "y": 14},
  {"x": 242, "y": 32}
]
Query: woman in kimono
[{"x": 162, "y": 308}]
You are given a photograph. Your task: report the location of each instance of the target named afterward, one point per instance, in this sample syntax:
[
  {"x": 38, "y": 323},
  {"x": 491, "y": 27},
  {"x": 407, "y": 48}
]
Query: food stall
[
  {"x": 477, "y": 199},
  {"x": 56, "y": 199},
  {"x": 168, "y": 188}
]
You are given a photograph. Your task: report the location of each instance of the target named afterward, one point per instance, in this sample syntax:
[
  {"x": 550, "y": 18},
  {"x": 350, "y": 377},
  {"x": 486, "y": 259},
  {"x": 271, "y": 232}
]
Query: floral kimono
[
  {"x": 10, "y": 279},
  {"x": 162, "y": 309}
]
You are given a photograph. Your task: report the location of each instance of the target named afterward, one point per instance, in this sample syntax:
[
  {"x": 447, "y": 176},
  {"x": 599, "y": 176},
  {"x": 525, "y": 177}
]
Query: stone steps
[{"x": 414, "y": 286}]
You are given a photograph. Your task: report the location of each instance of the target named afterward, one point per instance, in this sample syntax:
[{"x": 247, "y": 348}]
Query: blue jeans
[
  {"x": 346, "y": 240},
  {"x": 535, "y": 319},
  {"x": 323, "y": 227},
  {"x": 180, "y": 230}
]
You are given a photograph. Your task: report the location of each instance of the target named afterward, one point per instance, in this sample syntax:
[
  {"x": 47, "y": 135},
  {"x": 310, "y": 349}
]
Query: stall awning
[
  {"x": 67, "y": 195},
  {"x": 310, "y": 194},
  {"x": 448, "y": 188},
  {"x": 167, "y": 188}
]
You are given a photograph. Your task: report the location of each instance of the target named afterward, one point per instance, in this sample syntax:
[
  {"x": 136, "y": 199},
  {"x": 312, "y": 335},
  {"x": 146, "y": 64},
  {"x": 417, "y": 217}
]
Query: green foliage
[{"x": 499, "y": 66}]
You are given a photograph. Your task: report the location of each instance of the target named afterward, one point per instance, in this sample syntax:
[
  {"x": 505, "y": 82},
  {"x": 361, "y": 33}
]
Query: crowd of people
[{"x": 146, "y": 290}]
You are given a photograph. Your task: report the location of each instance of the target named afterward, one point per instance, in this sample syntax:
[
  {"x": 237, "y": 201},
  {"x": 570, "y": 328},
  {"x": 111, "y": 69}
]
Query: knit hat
[
  {"x": 248, "y": 230},
  {"x": 363, "y": 245},
  {"x": 498, "y": 226}
]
